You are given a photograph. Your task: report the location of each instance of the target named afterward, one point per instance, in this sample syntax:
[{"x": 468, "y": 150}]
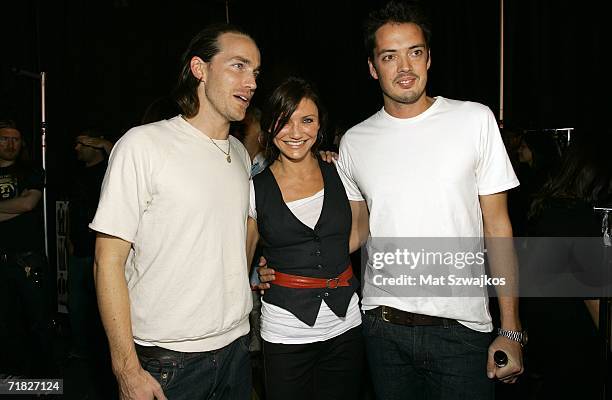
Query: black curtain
[{"x": 109, "y": 59}]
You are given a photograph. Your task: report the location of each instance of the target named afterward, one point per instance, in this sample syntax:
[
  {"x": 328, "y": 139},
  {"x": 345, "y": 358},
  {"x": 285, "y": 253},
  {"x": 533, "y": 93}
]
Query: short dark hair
[
  {"x": 90, "y": 132},
  {"x": 8, "y": 124},
  {"x": 395, "y": 11},
  {"x": 278, "y": 110},
  {"x": 204, "y": 45}
]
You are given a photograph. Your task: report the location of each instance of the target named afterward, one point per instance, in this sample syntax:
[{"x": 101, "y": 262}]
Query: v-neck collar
[{"x": 325, "y": 197}]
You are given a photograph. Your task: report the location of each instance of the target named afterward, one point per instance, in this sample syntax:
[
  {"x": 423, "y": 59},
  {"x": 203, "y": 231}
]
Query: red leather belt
[{"x": 306, "y": 282}]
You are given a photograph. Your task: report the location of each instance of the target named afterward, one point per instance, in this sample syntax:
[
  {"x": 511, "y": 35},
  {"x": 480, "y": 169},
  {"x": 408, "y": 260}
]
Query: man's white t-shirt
[
  {"x": 170, "y": 192},
  {"x": 422, "y": 177}
]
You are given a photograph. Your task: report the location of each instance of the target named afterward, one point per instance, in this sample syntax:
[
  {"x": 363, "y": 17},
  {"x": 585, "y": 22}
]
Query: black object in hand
[{"x": 500, "y": 358}]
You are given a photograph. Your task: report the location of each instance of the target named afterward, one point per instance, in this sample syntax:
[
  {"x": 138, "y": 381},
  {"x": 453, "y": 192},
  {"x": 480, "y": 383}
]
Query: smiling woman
[
  {"x": 294, "y": 113},
  {"x": 310, "y": 314}
]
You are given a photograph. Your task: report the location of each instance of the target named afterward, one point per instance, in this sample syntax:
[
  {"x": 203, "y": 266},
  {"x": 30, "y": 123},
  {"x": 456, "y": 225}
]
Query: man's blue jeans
[
  {"x": 218, "y": 374},
  {"x": 427, "y": 362}
]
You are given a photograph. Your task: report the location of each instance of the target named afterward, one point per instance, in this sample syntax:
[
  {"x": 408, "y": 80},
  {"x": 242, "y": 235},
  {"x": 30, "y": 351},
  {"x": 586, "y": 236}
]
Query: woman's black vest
[{"x": 291, "y": 247}]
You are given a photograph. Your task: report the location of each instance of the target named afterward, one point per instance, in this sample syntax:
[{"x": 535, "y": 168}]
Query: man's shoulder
[
  {"x": 463, "y": 106},
  {"x": 142, "y": 132},
  {"x": 238, "y": 146},
  {"x": 153, "y": 135}
]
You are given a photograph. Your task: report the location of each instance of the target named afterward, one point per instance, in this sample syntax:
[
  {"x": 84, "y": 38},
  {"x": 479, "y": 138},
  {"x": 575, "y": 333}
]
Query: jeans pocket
[
  {"x": 473, "y": 339},
  {"x": 163, "y": 370},
  {"x": 369, "y": 324}
]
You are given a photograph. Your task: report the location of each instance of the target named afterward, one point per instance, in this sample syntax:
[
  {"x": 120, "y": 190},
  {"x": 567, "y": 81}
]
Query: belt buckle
[
  {"x": 3, "y": 257},
  {"x": 336, "y": 280},
  {"x": 384, "y": 314}
]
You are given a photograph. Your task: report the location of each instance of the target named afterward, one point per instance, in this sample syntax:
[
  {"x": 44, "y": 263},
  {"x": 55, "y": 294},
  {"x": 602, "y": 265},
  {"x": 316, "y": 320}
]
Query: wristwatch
[{"x": 517, "y": 336}]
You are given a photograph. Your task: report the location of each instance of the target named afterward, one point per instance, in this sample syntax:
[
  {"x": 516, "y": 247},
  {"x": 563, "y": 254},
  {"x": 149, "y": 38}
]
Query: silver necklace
[{"x": 228, "y": 158}]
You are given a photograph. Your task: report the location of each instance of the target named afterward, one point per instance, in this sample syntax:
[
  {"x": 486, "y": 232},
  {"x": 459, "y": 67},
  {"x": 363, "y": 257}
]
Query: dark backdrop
[{"x": 107, "y": 60}]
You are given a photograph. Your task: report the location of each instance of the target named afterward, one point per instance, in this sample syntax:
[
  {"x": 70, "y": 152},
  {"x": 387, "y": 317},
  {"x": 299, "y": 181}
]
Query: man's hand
[
  {"x": 511, "y": 371},
  {"x": 97, "y": 143},
  {"x": 328, "y": 156},
  {"x": 138, "y": 384},
  {"x": 265, "y": 275}
]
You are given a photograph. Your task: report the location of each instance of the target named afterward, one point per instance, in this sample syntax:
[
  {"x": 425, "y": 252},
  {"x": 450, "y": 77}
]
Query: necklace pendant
[{"x": 228, "y": 158}]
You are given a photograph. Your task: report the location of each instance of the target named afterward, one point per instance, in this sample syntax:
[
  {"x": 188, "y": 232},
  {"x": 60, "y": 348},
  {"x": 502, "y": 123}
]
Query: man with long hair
[{"x": 173, "y": 205}]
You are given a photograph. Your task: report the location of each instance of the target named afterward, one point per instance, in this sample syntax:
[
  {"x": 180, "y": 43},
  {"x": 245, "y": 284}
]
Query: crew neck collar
[{"x": 436, "y": 104}]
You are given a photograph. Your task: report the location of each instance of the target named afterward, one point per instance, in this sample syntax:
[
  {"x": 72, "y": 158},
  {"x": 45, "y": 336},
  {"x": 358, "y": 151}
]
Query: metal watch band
[{"x": 517, "y": 336}]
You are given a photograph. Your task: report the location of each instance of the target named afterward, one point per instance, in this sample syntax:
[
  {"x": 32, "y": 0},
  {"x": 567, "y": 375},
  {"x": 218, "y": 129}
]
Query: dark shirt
[
  {"x": 24, "y": 232},
  {"x": 84, "y": 197},
  {"x": 561, "y": 332},
  {"x": 566, "y": 218}
]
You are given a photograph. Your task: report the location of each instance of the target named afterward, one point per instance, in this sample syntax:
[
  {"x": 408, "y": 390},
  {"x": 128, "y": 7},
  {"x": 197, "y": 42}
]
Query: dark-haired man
[
  {"x": 175, "y": 200},
  {"x": 88, "y": 339},
  {"x": 427, "y": 167}
]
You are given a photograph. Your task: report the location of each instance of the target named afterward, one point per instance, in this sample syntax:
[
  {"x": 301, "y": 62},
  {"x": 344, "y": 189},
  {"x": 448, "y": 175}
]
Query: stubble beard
[
  {"x": 411, "y": 97},
  {"x": 228, "y": 110},
  {"x": 9, "y": 156}
]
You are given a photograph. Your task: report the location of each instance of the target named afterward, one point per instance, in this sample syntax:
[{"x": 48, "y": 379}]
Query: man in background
[
  {"x": 88, "y": 339},
  {"x": 24, "y": 308}
]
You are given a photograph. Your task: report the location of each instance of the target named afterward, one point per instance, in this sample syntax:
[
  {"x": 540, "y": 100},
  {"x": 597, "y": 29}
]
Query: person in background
[
  {"x": 538, "y": 159},
  {"x": 89, "y": 342},
  {"x": 567, "y": 237},
  {"x": 252, "y": 137},
  {"x": 24, "y": 307}
]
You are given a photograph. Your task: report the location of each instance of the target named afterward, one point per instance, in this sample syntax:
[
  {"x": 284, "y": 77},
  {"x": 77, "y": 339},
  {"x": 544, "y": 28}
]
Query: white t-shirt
[
  {"x": 279, "y": 325},
  {"x": 421, "y": 177},
  {"x": 170, "y": 192}
]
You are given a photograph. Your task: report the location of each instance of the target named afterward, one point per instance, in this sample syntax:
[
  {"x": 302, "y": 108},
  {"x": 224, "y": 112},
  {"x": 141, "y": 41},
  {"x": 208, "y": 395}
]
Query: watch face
[{"x": 524, "y": 338}]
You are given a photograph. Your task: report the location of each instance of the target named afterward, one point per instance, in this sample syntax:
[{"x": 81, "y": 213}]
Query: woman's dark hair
[
  {"x": 204, "y": 45},
  {"x": 278, "y": 110},
  {"x": 585, "y": 175},
  {"x": 544, "y": 150},
  {"x": 399, "y": 12}
]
